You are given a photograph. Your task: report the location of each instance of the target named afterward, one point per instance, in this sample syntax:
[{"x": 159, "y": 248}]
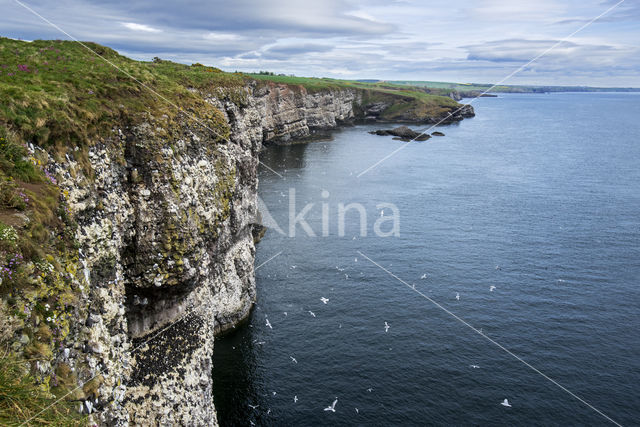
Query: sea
[{"x": 425, "y": 283}]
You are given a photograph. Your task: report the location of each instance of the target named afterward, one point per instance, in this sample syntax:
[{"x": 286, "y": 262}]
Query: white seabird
[
  {"x": 312, "y": 313},
  {"x": 424, "y": 276},
  {"x": 457, "y": 296},
  {"x": 506, "y": 403},
  {"x": 386, "y": 327},
  {"x": 295, "y": 399},
  {"x": 324, "y": 300},
  {"x": 492, "y": 288},
  {"x": 269, "y": 324},
  {"x": 474, "y": 366},
  {"x": 293, "y": 359},
  {"x": 332, "y": 408}
]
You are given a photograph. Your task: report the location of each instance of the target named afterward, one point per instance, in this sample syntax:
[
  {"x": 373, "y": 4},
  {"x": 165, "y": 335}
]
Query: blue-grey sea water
[{"x": 538, "y": 195}]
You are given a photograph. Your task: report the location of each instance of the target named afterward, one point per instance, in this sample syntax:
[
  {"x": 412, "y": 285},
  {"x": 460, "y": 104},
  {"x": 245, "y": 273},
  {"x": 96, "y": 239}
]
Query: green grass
[
  {"x": 63, "y": 94},
  {"x": 21, "y": 399}
]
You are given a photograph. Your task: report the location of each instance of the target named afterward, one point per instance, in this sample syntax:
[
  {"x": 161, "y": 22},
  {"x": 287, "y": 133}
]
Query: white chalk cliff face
[{"x": 165, "y": 234}]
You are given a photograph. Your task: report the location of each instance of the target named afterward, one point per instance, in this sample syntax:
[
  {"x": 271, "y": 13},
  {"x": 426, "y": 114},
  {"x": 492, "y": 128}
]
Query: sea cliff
[{"x": 156, "y": 210}]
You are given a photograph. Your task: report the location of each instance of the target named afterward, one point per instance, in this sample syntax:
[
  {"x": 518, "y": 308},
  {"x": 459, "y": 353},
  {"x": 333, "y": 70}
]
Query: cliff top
[{"x": 60, "y": 92}]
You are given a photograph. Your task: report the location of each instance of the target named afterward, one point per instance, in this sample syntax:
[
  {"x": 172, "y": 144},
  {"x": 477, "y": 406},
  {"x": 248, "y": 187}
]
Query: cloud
[
  {"x": 221, "y": 37},
  {"x": 140, "y": 27},
  {"x": 288, "y": 50},
  {"x": 460, "y": 40},
  {"x": 566, "y": 53}
]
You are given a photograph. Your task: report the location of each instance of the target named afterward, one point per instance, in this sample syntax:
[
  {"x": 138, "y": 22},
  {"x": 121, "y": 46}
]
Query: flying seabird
[
  {"x": 293, "y": 359},
  {"x": 386, "y": 327},
  {"x": 457, "y": 296},
  {"x": 424, "y": 276},
  {"x": 474, "y": 366},
  {"x": 324, "y": 300},
  {"x": 491, "y": 288},
  {"x": 295, "y": 399},
  {"x": 312, "y": 313},
  {"x": 357, "y": 412},
  {"x": 269, "y": 324},
  {"x": 506, "y": 403},
  {"x": 332, "y": 408},
  {"x": 254, "y": 406}
]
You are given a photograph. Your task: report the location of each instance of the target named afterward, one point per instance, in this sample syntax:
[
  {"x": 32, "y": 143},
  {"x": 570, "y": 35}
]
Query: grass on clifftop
[{"x": 59, "y": 92}]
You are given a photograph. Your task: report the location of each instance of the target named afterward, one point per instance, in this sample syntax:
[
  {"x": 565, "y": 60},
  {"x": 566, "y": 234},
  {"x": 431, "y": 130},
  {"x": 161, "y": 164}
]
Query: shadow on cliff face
[
  {"x": 235, "y": 375},
  {"x": 289, "y": 157}
]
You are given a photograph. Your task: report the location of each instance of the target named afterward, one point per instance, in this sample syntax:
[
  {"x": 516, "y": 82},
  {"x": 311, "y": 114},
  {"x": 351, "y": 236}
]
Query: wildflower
[
  {"x": 48, "y": 319},
  {"x": 47, "y": 306},
  {"x": 90, "y": 92}
]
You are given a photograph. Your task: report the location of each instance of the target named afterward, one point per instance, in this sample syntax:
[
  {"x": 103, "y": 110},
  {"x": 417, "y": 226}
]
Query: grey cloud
[{"x": 254, "y": 16}]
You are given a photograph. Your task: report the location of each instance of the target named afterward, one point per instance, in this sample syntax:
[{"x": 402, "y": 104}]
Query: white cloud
[
  {"x": 140, "y": 27},
  {"x": 221, "y": 37},
  {"x": 457, "y": 40}
]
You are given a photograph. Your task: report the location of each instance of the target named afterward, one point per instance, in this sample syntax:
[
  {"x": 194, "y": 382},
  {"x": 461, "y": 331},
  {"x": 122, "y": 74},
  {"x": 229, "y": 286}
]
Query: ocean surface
[{"x": 538, "y": 195}]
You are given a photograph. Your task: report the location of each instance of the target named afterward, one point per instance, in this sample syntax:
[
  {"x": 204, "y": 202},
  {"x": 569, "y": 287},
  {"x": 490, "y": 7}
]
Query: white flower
[
  {"x": 46, "y": 306},
  {"x": 48, "y": 319}
]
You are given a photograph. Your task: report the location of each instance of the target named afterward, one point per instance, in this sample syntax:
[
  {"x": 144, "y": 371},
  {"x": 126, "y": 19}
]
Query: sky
[{"x": 480, "y": 41}]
